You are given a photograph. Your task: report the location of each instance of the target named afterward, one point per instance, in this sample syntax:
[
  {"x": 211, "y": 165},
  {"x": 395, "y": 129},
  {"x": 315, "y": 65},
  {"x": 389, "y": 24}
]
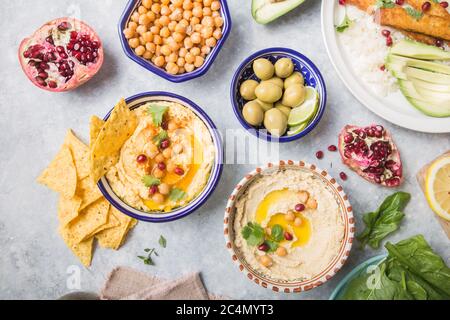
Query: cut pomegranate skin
[
  {"x": 49, "y": 58},
  {"x": 371, "y": 152}
]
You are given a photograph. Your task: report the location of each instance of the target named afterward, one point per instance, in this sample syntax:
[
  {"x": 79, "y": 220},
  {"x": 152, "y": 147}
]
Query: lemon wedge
[{"x": 437, "y": 187}]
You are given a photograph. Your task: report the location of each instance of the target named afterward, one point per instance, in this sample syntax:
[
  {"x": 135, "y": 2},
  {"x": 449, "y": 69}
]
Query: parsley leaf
[
  {"x": 157, "y": 112},
  {"x": 148, "y": 259},
  {"x": 150, "y": 181},
  {"x": 162, "y": 241},
  {"x": 273, "y": 246},
  {"x": 346, "y": 23},
  {"x": 416, "y": 14},
  {"x": 277, "y": 233},
  {"x": 162, "y": 135},
  {"x": 253, "y": 233},
  {"x": 176, "y": 194},
  {"x": 385, "y": 4}
]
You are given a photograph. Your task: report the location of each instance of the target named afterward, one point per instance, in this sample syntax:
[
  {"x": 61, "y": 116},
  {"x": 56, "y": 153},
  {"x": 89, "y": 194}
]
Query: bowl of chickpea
[{"x": 177, "y": 40}]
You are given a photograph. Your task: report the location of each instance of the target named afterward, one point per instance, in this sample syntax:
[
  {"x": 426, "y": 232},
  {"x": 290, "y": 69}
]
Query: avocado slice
[
  {"x": 420, "y": 84},
  {"x": 422, "y": 94},
  {"x": 265, "y": 11},
  {"x": 421, "y": 64},
  {"x": 407, "y": 73},
  {"x": 413, "y": 49}
]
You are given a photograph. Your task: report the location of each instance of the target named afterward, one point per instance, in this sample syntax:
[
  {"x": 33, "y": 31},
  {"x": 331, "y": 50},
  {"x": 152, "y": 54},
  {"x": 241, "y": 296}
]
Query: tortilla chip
[
  {"x": 82, "y": 250},
  {"x": 88, "y": 220},
  {"x": 61, "y": 174},
  {"x": 113, "y": 238},
  {"x": 80, "y": 153},
  {"x": 117, "y": 129},
  {"x": 112, "y": 222},
  {"x": 68, "y": 209},
  {"x": 88, "y": 191},
  {"x": 96, "y": 125}
]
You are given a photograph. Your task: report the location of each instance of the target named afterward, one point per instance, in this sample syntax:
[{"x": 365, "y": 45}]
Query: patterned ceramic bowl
[
  {"x": 131, "y": 7},
  {"x": 216, "y": 171},
  {"x": 311, "y": 73},
  {"x": 323, "y": 275}
]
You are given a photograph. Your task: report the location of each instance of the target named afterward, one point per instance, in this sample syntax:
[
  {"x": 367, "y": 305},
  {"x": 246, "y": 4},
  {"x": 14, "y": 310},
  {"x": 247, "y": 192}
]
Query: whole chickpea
[
  {"x": 147, "y": 55},
  {"x": 289, "y": 216},
  {"x": 199, "y": 61},
  {"x": 164, "y": 21},
  {"x": 167, "y": 153},
  {"x": 144, "y": 20},
  {"x": 215, "y": 5},
  {"x": 134, "y": 43},
  {"x": 128, "y": 33},
  {"x": 298, "y": 222},
  {"x": 159, "y": 61},
  {"x": 164, "y": 189},
  {"x": 135, "y": 17},
  {"x": 188, "y": 43},
  {"x": 217, "y": 34},
  {"x": 165, "y": 50},
  {"x": 158, "y": 198},
  {"x": 180, "y": 62},
  {"x": 207, "y": 11},
  {"x": 141, "y": 29},
  {"x": 207, "y": 3},
  {"x": 181, "y": 70},
  {"x": 151, "y": 47},
  {"x": 281, "y": 251},
  {"x": 173, "y": 57},
  {"x": 189, "y": 67},
  {"x": 187, "y": 5},
  {"x": 156, "y": 8},
  {"x": 148, "y": 36},
  {"x": 211, "y": 42},
  {"x": 142, "y": 10},
  {"x": 132, "y": 25},
  {"x": 195, "y": 51},
  {"x": 266, "y": 261},
  {"x": 147, "y": 3},
  {"x": 206, "y": 50},
  {"x": 151, "y": 15},
  {"x": 158, "y": 173},
  {"x": 159, "y": 158},
  {"x": 165, "y": 11},
  {"x": 194, "y": 21},
  {"x": 157, "y": 40},
  {"x": 190, "y": 58},
  {"x": 140, "y": 50},
  {"x": 196, "y": 38},
  {"x": 218, "y": 22},
  {"x": 170, "y": 167},
  {"x": 182, "y": 53}
]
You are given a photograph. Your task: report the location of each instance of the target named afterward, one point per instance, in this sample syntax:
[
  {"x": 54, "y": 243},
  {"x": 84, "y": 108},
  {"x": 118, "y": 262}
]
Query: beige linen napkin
[{"x": 128, "y": 284}]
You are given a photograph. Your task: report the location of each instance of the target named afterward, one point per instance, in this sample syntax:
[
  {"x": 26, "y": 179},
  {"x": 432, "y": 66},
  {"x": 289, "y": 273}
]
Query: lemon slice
[
  {"x": 437, "y": 187},
  {"x": 297, "y": 129},
  {"x": 306, "y": 110}
]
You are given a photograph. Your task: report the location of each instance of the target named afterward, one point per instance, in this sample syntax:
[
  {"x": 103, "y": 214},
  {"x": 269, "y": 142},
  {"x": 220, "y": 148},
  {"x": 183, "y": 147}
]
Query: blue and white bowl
[
  {"x": 125, "y": 18},
  {"x": 216, "y": 170},
  {"x": 311, "y": 73}
]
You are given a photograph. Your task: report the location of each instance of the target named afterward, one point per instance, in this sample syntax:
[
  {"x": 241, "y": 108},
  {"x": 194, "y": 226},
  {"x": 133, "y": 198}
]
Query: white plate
[{"x": 394, "y": 108}]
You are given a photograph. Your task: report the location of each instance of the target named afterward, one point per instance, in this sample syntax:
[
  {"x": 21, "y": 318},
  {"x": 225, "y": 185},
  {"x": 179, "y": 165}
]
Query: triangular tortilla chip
[
  {"x": 88, "y": 220},
  {"x": 68, "y": 209},
  {"x": 114, "y": 237},
  {"x": 112, "y": 222},
  {"x": 88, "y": 191},
  {"x": 117, "y": 129},
  {"x": 61, "y": 174},
  {"x": 80, "y": 153},
  {"x": 96, "y": 125},
  {"x": 82, "y": 250}
]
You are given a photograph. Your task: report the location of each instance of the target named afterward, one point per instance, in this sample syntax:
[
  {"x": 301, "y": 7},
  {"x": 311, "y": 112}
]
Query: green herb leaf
[
  {"x": 416, "y": 14},
  {"x": 150, "y": 181},
  {"x": 253, "y": 233},
  {"x": 272, "y": 245},
  {"x": 157, "y": 112},
  {"x": 277, "y": 233},
  {"x": 385, "y": 4},
  {"x": 162, "y": 135},
  {"x": 345, "y": 24},
  {"x": 162, "y": 241},
  {"x": 176, "y": 194},
  {"x": 385, "y": 220}
]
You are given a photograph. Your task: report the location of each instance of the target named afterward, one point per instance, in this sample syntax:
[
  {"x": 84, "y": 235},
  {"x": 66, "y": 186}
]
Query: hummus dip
[
  {"x": 310, "y": 218},
  {"x": 167, "y": 161}
]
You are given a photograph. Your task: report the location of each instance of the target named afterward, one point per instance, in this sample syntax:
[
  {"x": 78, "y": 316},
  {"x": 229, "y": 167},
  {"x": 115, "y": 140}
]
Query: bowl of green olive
[{"x": 278, "y": 95}]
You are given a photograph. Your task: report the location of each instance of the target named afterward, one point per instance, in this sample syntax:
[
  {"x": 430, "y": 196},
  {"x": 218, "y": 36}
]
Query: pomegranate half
[
  {"x": 371, "y": 152},
  {"x": 61, "y": 55}
]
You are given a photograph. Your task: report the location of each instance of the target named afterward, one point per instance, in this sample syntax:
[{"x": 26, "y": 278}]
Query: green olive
[
  {"x": 268, "y": 92},
  {"x": 263, "y": 69},
  {"x": 286, "y": 110},
  {"x": 265, "y": 105},
  {"x": 275, "y": 122},
  {"x": 284, "y": 67},
  {"x": 277, "y": 81},
  {"x": 253, "y": 113},
  {"x": 247, "y": 89},
  {"x": 294, "y": 95},
  {"x": 295, "y": 78}
]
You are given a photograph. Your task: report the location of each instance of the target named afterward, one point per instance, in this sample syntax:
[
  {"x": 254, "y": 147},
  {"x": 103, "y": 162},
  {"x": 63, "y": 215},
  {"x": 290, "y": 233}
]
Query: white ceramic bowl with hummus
[
  {"x": 289, "y": 226},
  {"x": 167, "y": 168}
]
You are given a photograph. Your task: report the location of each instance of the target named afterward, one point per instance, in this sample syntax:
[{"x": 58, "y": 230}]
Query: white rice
[{"x": 366, "y": 49}]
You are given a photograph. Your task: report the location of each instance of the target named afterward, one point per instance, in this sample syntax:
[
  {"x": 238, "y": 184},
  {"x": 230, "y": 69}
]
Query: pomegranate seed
[
  {"x": 299, "y": 207},
  {"x": 63, "y": 55},
  {"x": 179, "y": 171},
  {"x": 161, "y": 166},
  {"x": 319, "y": 154},
  {"x": 348, "y": 138},
  {"x": 389, "y": 41},
  {"x": 32, "y": 63},
  {"x": 385, "y": 33},
  {"x": 152, "y": 190},
  {"x": 95, "y": 44},
  {"x": 444, "y": 4},
  {"x": 26, "y": 54},
  {"x": 43, "y": 75},
  {"x": 263, "y": 247},
  {"x": 164, "y": 125},
  {"x": 44, "y": 66},
  {"x": 49, "y": 39},
  {"x": 60, "y": 49},
  {"x": 64, "y": 26},
  {"x": 439, "y": 43},
  {"x": 142, "y": 158},
  {"x": 342, "y": 2},
  {"x": 52, "y": 84},
  {"x": 426, "y": 6},
  {"x": 383, "y": 67},
  {"x": 343, "y": 176},
  {"x": 89, "y": 57},
  {"x": 83, "y": 58},
  {"x": 165, "y": 144},
  {"x": 332, "y": 148},
  {"x": 288, "y": 236},
  {"x": 41, "y": 81},
  {"x": 73, "y": 35},
  {"x": 399, "y": 2}
]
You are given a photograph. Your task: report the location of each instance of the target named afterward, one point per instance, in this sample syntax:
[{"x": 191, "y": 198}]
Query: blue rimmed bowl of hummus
[
  {"x": 289, "y": 226},
  {"x": 170, "y": 164}
]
